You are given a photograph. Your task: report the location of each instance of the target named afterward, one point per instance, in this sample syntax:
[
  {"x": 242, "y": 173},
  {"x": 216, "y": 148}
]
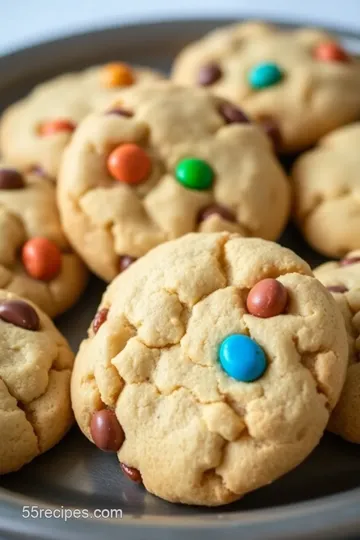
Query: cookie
[
  {"x": 161, "y": 162},
  {"x": 36, "y": 260},
  {"x": 35, "y": 130},
  {"x": 35, "y": 369},
  {"x": 300, "y": 84},
  {"x": 211, "y": 367},
  {"x": 326, "y": 185},
  {"x": 343, "y": 280}
]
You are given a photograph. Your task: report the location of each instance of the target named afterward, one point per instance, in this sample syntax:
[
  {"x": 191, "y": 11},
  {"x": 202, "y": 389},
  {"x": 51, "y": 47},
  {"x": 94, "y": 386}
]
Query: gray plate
[{"x": 320, "y": 499}]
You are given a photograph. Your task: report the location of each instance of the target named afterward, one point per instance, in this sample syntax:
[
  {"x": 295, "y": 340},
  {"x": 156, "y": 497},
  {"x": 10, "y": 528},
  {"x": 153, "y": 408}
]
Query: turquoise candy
[
  {"x": 264, "y": 75},
  {"x": 242, "y": 358}
]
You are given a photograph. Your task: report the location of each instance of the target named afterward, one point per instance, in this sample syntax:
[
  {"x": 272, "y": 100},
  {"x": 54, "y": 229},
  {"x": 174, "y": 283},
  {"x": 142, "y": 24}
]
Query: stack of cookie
[{"x": 216, "y": 356}]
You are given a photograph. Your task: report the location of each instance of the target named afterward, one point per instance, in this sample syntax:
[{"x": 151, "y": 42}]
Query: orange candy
[
  {"x": 129, "y": 163},
  {"x": 330, "y": 52},
  {"x": 56, "y": 126},
  {"x": 117, "y": 74},
  {"x": 41, "y": 258}
]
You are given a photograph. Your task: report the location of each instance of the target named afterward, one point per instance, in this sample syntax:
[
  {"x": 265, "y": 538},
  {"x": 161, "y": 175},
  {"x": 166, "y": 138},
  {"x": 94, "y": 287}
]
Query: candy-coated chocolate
[
  {"x": 132, "y": 473},
  {"x": 267, "y": 298},
  {"x": 56, "y": 126},
  {"x": 11, "y": 179},
  {"x": 337, "y": 288},
  {"x": 125, "y": 261},
  {"x": 264, "y": 75},
  {"x": 129, "y": 163},
  {"x": 217, "y": 210},
  {"x": 272, "y": 130},
  {"x": 209, "y": 74},
  {"x": 232, "y": 114},
  {"x": 41, "y": 258},
  {"x": 119, "y": 111},
  {"x": 106, "y": 431},
  {"x": 242, "y": 358},
  {"x": 99, "y": 319},
  {"x": 38, "y": 170},
  {"x": 117, "y": 74},
  {"x": 348, "y": 261},
  {"x": 20, "y": 314},
  {"x": 194, "y": 173},
  {"x": 330, "y": 52}
]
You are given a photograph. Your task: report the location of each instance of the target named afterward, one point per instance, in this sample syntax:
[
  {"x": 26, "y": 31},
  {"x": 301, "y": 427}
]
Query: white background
[{"x": 23, "y": 22}]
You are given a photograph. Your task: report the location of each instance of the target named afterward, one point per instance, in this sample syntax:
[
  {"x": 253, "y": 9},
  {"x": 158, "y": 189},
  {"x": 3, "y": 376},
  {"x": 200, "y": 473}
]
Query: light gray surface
[{"x": 27, "y": 21}]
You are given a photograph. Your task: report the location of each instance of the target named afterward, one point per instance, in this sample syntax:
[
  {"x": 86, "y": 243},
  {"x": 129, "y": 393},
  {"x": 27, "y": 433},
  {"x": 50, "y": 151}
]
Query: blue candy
[
  {"x": 242, "y": 358},
  {"x": 264, "y": 75}
]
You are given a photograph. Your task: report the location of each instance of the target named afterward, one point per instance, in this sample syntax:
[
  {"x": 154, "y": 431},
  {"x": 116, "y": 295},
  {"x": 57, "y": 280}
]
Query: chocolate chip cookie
[
  {"x": 300, "y": 84},
  {"x": 163, "y": 161},
  {"x": 211, "y": 367},
  {"x": 342, "y": 279},
  {"x": 35, "y": 130},
  {"x": 36, "y": 260},
  {"x": 326, "y": 185},
  {"x": 35, "y": 368}
]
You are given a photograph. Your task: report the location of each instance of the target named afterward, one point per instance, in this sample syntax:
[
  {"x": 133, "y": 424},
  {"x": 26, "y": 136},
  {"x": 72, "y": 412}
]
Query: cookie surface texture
[
  {"x": 172, "y": 162},
  {"x": 343, "y": 280},
  {"x": 35, "y": 130},
  {"x": 292, "y": 78},
  {"x": 35, "y": 368},
  {"x": 202, "y": 399},
  {"x": 36, "y": 260},
  {"x": 326, "y": 185}
]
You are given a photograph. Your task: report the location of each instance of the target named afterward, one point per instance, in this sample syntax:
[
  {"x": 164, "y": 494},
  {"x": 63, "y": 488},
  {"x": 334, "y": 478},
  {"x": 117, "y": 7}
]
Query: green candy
[{"x": 194, "y": 173}]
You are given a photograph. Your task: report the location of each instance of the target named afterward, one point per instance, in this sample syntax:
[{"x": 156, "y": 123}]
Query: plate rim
[{"x": 327, "y": 514}]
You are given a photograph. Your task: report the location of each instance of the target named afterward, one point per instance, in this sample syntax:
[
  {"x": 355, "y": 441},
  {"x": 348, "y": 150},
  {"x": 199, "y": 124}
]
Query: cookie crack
[
  {"x": 308, "y": 361},
  {"x": 20, "y": 405}
]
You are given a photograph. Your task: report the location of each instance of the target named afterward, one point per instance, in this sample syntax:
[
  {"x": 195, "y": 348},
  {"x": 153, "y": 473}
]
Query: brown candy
[
  {"x": 216, "y": 209},
  {"x": 119, "y": 111},
  {"x": 337, "y": 288},
  {"x": 209, "y": 74},
  {"x": 106, "y": 431},
  {"x": 20, "y": 314},
  {"x": 267, "y": 298},
  {"x": 349, "y": 261},
  {"x": 38, "y": 170},
  {"x": 132, "y": 473},
  {"x": 232, "y": 114},
  {"x": 125, "y": 261},
  {"x": 11, "y": 179},
  {"x": 99, "y": 319}
]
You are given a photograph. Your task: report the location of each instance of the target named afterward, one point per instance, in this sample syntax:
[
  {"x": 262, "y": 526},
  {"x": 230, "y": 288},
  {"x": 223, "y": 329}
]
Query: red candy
[
  {"x": 41, "y": 258},
  {"x": 330, "y": 52},
  {"x": 129, "y": 163},
  {"x": 56, "y": 126}
]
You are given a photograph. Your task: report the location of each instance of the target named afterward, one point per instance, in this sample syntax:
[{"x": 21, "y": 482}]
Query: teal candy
[
  {"x": 242, "y": 358},
  {"x": 264, "y": 75}
]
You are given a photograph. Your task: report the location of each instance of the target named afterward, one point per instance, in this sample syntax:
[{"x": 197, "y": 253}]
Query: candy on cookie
[
  {"x": 326, "y": 184},
  {"x": 35, "y": 368},
  {"x": 179, "y": 160},
  {"x": 211, "y": 367},
  {"x": 342, "y": 279},
  {"x": 36, "y": 260},
  {"x": 291, "y": 78},
  {"x": 35, "y": 130}
]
